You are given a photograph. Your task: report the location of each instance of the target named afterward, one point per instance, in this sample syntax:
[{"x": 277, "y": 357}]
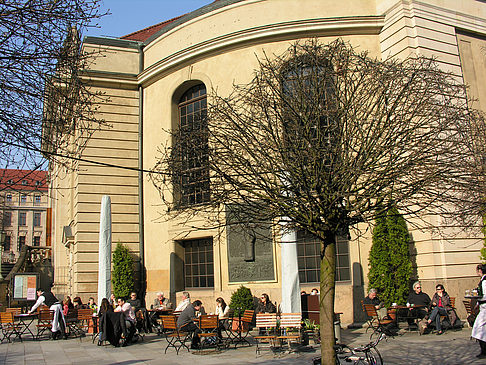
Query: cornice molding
[{"x": 278, "y": 31}]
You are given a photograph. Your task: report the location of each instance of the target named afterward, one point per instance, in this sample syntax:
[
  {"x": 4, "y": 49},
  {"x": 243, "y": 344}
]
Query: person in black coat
[{"x": 265, "y": 305}]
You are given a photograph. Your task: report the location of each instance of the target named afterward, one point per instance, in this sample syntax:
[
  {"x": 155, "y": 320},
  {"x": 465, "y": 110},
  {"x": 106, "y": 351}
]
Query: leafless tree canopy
[
  {"x": 330, "y": 137},
  {"x": 40, "y": 59}
]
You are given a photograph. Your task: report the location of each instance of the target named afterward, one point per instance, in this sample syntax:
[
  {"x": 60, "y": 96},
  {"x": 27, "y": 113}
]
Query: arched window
[{"x": 193, "y": 176}]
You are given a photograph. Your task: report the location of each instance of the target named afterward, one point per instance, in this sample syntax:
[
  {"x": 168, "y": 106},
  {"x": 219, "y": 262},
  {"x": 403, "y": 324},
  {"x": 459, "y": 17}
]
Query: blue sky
[{"x": 128, "y": 16}]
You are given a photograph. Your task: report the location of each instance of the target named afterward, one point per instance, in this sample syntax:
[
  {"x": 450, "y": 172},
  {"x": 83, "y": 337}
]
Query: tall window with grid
[
  {"x": 7, "y": 246},
  {"x": 22, "y": 218},
  {"x": 198, "y": 263},
  {"x": 36, "y": 241},
  {"x": 21, "y": 242},
  {"x": 37, "y": 219},
  {"x": 7, "y": 219},
  {"x": 192, "y": 146},
  {"x": 308, "y": 253}
]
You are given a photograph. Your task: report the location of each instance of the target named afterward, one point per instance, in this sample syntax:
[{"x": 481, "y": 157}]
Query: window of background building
[
  {"x": 23, "y": 198},
  {"x": 7, "y": 244},
  {"x": 21, "y": 242},
  {"x": 308, "y": 254},
  {"x": 198, "y": 263},
  {"x": 37, "y": 219},
  {"x": 37, "y": 199},
  {"x": 9, "y": 198},
  {"x": 193, "y": 180},
  {"x": 24, "y": 182},
  {"x": 7, "y": 219},
  {"x": 36, "y": 241},
  {"x": 22, "y": 218}
]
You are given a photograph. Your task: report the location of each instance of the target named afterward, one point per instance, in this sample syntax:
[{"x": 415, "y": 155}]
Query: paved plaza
[{"x": 451, "y": 348}]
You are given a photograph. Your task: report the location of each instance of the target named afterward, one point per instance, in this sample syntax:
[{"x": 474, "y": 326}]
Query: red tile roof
[
  {"x": 144, "y": 34},
  {"x": 23, "y": 180}
]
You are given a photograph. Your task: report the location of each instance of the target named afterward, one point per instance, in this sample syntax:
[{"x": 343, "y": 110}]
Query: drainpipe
[{"x": 141, "y": 228}]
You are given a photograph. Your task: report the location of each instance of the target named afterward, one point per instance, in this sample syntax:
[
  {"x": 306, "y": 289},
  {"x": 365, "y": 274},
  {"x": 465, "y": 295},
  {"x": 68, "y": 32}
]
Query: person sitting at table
[
  {"x": 222, "y": 311},
  {"x": 186, "y": 300},
  {"x": 134, "y": 301},
  {"x": 105, "y": 306},
  {"x": 67, "y": 305},
  {"x": 372, "y": 298},
  {"x": 129, "y": 316},
  {"x": 418, "y": 298},
  {"x": 58, "y": 324},
  {"x": 162, "y": 303},
  {"x": 78, "y": 303},
  {"x": 440, "y": 305},
  {"x": 185, "y": 322},
  {"x": 265, "y": 305},
  {"x": 92, "y": 305}
]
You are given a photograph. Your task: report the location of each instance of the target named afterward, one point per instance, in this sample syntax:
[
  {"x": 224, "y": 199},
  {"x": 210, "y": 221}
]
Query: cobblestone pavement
[{"x": 410, "y": 348}]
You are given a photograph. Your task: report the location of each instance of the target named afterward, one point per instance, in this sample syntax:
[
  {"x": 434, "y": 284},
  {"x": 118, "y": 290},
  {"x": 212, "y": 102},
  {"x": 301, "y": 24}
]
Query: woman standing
[
  {"x": 479, "y": 328},
  {"x": 441, "y": 306}
]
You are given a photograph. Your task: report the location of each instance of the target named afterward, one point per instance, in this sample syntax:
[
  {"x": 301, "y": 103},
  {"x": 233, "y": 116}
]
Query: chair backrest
[
  {"x": 13, "y": 310},
  {"x": 169, "y": 322},
  {"x": 467, "y": 305},
  {"x": 370, "y": 310},
  {"x": 290, "y": 320},
  {"x": 208, "y": 321},
  {"x": 85, "y": 314},
  {"x": 45, "y": 315},
  {"x": 248, "y": 316},
  {"x": 6, "y": 317},
  {"x": 231, "y": 313},
  {"x": 266, "y": 320},
  {"x": 453, "y": 301}
]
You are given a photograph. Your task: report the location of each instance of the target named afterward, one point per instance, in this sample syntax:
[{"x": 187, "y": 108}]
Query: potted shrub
[{"x": 241, "y": 300}]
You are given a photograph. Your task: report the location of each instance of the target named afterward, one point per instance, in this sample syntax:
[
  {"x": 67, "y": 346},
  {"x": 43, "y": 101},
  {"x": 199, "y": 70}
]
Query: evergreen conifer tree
[
  {"x": 389, "y": 260},
  {"x": 123, "y": 273}
]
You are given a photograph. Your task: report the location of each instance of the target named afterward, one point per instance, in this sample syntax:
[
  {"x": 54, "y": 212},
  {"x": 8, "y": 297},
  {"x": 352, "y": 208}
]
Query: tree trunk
[{"x": 328, "y": 266}]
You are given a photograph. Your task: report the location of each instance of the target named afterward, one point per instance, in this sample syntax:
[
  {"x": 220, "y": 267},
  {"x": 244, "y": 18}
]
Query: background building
[
  {"x": 25, "y": 217},
  {"x": 154, "y": 78}
]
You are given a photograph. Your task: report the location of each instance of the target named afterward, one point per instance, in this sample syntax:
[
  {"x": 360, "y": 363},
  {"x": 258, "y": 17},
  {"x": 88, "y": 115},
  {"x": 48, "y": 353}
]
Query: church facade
[{"x": 156, "y": 78}]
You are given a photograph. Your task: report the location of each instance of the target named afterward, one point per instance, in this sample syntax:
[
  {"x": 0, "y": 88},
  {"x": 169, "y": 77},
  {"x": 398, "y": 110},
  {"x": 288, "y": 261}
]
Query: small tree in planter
[
  {"x": 241, "y": 300},
  {"x": 123, "y": 272}
]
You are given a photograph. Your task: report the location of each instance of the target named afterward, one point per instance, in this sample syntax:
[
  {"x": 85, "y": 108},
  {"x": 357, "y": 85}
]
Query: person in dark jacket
[
  {"x": 418, "y": 298},
  {"x": 58, "y": 322},
  {"x": 265, "y": 305},
  {"x": 185, "y": 322},
  {"x": 441, "y": 306}
]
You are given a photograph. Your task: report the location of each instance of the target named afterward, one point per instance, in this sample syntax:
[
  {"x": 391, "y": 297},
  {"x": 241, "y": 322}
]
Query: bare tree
[
  {"x": 329, "y": 137},
  {"x": 40, "y": 79}
]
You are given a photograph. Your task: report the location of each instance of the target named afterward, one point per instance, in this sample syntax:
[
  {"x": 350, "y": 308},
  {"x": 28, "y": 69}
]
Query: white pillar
[
  {"x": 290, "y": 272},
  {"x": 104, "y": 253}
]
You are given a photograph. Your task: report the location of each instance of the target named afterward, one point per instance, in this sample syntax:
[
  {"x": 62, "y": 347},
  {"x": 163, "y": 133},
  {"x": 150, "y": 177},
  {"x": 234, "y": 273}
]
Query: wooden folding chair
[
  {"x": 85, "y": 317},
  {"x": 8, "y": 326},
  {"x": 13, "y": 310},
  {"x": 290, "y": 327},
  {"x": 378, "y": 323},
  {"x": 370, "y": 320},
  {"x": 44, "y": 322},
  {"x": 266, "y": 323},
  {"x": 209, "y": 327},
  {"x": 175, "y": 338}
]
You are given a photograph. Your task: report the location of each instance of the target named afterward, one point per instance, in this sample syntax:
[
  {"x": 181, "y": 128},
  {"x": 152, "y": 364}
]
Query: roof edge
[
  {"x": 115, "y": 42},
  {"x": 189, "y": 16}
]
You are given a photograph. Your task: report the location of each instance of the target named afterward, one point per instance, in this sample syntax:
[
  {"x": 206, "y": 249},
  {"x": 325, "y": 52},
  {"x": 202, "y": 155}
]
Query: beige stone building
[
  {"x": 155, "y": 78},
  {"x": 24, "y": 212}
]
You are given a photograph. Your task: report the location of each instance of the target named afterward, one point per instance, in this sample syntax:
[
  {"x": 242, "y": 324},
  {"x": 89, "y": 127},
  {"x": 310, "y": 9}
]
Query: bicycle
[{"x": 362, "y": 355}]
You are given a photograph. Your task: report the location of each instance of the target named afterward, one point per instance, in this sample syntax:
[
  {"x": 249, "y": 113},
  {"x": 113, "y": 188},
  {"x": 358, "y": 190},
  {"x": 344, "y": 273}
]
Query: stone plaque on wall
[{"x": 250, "y": 253}]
